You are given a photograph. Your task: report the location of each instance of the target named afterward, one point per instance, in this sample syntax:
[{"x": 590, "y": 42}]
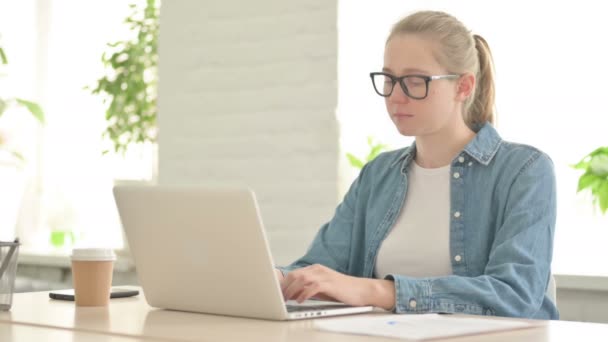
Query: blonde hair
[{"x": 459, "y": 52}]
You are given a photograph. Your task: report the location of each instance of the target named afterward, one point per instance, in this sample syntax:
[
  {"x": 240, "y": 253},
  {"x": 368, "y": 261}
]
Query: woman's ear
[{"x": 465, "y": 87}]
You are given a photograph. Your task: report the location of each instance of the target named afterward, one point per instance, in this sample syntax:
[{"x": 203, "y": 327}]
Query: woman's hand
[
  {"x": 324, "y": 283},
  {"x": 279, "y": 275}
]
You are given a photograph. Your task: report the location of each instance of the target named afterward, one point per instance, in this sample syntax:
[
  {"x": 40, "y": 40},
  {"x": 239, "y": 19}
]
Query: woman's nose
[{"x": 398, "y": 95}]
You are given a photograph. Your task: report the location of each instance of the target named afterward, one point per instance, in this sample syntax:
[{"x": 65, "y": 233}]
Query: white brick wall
[{"x": 248, "y": 95}]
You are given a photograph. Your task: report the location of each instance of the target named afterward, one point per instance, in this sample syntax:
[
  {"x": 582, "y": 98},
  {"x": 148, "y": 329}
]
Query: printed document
[{"x": 418, "y": 327}]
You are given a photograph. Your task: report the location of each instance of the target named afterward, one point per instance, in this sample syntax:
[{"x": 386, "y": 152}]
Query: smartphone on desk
[{"x": 116, "y": 292}]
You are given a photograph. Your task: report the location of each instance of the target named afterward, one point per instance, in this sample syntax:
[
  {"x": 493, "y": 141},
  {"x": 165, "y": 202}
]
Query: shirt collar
[
  {"x": 482, "y": 148},
  {"x": 485, "y": 144}
]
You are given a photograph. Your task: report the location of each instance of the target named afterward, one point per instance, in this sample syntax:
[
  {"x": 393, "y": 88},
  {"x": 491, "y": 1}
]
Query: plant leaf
[
  {"x": 599, "y": 165},
  {"x": 3, "y": 59},
  {"x": 602, "y": 194},
  {"x": 34, "y": 108},
  {"x": 598, "y": 151},
  {"x": 15, "y": 154},
  {"x": 587, "y": 180},
  {"x": 3, "y": 106},
  {"x": 376, "y": 150},
  {"x": 583, "y": 164},
  {"x": 354, "y": 161}
]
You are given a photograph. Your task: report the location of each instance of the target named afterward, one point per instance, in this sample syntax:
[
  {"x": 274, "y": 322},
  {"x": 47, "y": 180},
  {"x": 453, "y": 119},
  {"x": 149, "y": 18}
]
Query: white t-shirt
[{"x": 419, "y": 243}]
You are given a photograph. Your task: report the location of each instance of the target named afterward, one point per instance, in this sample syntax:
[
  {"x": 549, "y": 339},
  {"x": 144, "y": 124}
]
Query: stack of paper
[{"x": 418, "y": 327}]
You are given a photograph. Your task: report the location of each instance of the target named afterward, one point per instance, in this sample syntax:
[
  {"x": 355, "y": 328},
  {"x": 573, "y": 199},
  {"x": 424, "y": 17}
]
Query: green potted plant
[
  {"x": 129, "y": 90},
  {"x": 595, "y": 177},
  {"x": 129, "y": 87}
]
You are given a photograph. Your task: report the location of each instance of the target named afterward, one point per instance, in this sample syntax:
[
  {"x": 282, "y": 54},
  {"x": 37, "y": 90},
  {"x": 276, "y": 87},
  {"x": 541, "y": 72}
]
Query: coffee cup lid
[{"x": 93, "y": 254}]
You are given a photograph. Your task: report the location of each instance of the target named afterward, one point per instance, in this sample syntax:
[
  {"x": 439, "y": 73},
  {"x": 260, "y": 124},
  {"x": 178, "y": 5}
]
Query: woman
[{"x": 459, "y": 222}]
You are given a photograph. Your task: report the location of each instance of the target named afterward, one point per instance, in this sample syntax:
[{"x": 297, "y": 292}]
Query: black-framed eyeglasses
[{"x": 414, "y": 86}]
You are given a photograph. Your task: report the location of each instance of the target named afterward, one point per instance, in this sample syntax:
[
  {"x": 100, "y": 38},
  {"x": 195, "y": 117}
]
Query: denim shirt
[{"x": 502, "y": 223}]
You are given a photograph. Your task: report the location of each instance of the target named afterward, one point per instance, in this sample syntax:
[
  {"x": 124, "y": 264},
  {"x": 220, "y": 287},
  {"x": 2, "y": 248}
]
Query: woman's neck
[{"x": 439, "y": 149}]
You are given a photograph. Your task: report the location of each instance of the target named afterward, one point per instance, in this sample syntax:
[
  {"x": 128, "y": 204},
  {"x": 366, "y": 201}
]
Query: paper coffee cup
[{"x": 92, "y": 275}]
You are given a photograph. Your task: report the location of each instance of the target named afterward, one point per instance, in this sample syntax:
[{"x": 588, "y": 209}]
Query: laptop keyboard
[{"x": 299, "y": 308}]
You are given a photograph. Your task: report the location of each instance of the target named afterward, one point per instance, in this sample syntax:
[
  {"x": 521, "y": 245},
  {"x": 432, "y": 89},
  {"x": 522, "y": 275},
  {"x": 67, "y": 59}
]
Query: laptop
[{"x": 204, "y": 249}]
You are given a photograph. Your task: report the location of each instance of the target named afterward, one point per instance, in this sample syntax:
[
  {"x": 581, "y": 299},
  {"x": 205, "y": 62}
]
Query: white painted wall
[
  {"x": 583, "y": 305},
  {"x": 582, "y": 298},
  {"x": 248, "y": 94}
]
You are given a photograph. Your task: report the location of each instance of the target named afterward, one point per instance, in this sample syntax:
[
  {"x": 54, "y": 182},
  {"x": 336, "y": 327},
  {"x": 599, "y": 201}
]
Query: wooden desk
[
  {"x": 132, "y": 317},
  {"x": 27, "y": 333}
]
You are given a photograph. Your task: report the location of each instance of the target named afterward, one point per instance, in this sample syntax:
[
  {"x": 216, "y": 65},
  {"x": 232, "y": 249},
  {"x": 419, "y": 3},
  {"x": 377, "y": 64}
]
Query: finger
[
  {"x": 322, "y": 296},
  {"x": 297, "y": 276},
  {"x": 297, "y": 280},
  {"x": 294, "y": 288},
  {"x": 308, "y": 292},
  {"x": 279, "y": 275},
  {"x": 291, "y": 277},
  {"x": 293, "y": 284},
  {"x": 288, "y": 280}
]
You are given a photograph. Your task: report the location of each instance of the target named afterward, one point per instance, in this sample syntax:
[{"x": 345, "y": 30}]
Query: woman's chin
[{"x": 407, "y": 131}]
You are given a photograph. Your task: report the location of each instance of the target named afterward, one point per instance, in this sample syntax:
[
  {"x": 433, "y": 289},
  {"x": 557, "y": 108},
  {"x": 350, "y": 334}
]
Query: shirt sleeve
[
  {"x": 331, "y": 246},
  {"x": 518, "y": 270}
]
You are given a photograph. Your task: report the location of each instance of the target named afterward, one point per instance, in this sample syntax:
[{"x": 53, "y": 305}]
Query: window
[
  {"x": 550, "y": 80},
  {"x": 69, "y": 181}
]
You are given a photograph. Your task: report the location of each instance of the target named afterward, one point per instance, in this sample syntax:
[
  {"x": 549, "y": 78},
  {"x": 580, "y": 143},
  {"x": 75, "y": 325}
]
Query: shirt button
[
  {"x": 412, "y": 304},
  {"x": 461, "y": 159},
  {"x": 470, "y": 163},
  {"x": 457, "y": 214},
  {"x": 456, "y": 175},
  {"x": 457, "y": 258}
]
